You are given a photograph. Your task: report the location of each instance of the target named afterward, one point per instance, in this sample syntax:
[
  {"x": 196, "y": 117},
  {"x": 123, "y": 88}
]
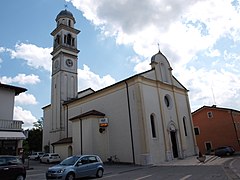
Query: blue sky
[{"x": 200, "y": 38}]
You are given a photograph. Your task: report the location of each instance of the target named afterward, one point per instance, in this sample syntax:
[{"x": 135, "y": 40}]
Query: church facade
[{"x": 144, "y": 119}]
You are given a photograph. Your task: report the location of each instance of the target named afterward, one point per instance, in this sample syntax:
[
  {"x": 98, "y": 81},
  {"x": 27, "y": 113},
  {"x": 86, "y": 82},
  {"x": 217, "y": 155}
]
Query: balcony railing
[{"x": 10, "y": 125}]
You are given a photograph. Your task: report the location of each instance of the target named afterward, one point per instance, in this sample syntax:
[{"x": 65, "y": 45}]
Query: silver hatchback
[{"x": 75, "y": 167}]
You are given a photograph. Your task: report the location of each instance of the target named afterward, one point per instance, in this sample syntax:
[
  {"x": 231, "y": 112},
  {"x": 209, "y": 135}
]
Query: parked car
[
  {"x": 224, "y": 151},
  {"x": 12, "y": 168},
  {"x": 77, "y": 166},
  {"x": 36, "y": 155},
  {"x": 50, "y": 158}
]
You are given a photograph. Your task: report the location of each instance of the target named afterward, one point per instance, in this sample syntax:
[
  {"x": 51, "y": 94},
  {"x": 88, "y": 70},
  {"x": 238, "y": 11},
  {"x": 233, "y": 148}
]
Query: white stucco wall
[
  {"x": 156, "y": 146},
  {"x": 92, "y": 141},
  {"x": 114, "y": 105},
  {"x": 62, "y": 150},
  {"x": 7, "y": 103}
]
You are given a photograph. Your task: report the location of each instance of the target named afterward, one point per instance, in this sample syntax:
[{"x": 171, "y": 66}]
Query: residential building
[
  {"x": 215, "y": 127},
  {"x": 11, "y": 132},
  {"x": 144, "y": 119}
]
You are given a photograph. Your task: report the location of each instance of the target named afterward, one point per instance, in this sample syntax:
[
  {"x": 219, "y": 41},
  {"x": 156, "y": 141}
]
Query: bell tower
[{"x": 64, "y": 70}]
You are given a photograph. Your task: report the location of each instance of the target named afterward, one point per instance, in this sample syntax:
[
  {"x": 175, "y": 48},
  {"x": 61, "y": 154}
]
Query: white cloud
[
  {"x": 2, "y": 49},
  {"x": 88, "y": 79},
  {"x": 187, "y": 31},
  {"x": 213, "y": 53},
  {"x": 36, "y": 57},
  {"x": 25, "y": 99},
  {"x": 142, "y": 66},
  {"x": 211, "y": 87},
  {"x": 182, "y": 28},
  {"x": 25, "y": 116},
  {"x": 21, "y": 79}
]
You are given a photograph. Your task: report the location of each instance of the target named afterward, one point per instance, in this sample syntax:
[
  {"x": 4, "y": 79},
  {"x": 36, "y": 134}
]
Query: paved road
[{"x": 230, "y": 170}]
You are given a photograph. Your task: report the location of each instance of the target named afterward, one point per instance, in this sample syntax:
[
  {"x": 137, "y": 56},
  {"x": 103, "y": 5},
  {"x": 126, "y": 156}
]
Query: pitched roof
[
  {"x": 214, "y": 107},
  {"x": 63, "y": 141},
  {"x": 17, "y": 90},
  {"x": 89, "y": 113}
]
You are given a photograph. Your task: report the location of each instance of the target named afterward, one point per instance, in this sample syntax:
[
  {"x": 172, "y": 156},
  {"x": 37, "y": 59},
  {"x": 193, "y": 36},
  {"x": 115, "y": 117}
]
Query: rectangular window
[
  {"x": 209, "y": 114},
  {"x": 196, "y": 130},
  {"x": 208, "y": 146}
]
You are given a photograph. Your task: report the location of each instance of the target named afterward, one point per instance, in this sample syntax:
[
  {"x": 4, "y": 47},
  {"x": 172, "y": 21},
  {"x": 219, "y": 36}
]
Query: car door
[
  {"x": 93, "y": 163},
  {"x": 44, "y": 158},
  {"x": 82, "y": 167},
  {"x": 4, "y": 170}
]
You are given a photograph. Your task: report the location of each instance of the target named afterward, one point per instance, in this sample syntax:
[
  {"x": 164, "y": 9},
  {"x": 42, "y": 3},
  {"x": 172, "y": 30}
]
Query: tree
[
  {"x": 34, "y": 140},
  {"x": 38, "y": 124}
]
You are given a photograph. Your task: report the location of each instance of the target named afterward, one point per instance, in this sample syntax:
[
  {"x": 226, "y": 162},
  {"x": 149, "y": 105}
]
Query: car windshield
[
  {"x": 69, "y": 161},
  {"x": 9, "y": 160}
]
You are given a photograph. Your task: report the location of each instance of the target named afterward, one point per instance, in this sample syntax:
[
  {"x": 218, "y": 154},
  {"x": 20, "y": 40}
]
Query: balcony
[{"x": 12, "y": 125}]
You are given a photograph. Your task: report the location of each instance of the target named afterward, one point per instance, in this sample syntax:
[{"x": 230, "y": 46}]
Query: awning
[{"x": 10, "y": 135}]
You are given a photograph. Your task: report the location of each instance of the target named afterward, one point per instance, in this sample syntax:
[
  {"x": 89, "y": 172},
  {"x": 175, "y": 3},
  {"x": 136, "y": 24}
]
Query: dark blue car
[
  {"x": 75, "y": 167},
  {"x": 224, "y": 151}
]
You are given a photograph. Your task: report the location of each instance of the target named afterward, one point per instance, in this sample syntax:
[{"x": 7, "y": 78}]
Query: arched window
[
  {"x": 184, "y": 125},
  {"x": 65, "y": 39},
  {"x": 153, "y": 128},
  {"x": 69, "y": 39},
  {"x": 69, "y": 23},
  {"x": 70, "y": 151},
  {"x": 58, "y": 39},
  {"x": 73, "y": 41}
]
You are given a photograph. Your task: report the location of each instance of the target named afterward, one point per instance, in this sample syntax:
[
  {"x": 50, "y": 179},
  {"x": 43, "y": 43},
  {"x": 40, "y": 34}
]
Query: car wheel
[
  {"x": 20, "y": 177},
  {"x": 99, "y": 173},
  {"x": 228, "y": 154},
  {"x": 70, "y": 176}
]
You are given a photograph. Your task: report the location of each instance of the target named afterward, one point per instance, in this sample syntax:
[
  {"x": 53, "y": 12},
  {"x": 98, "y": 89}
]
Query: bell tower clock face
[{"x": 69, "y": 63}]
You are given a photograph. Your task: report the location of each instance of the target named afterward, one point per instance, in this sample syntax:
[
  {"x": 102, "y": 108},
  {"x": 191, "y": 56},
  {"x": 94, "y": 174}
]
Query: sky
[{"x": 200, "y": 38}]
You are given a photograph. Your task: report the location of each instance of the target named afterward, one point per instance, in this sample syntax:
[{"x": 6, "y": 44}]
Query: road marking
[
  {"x": 144, "y": 177},
  {"x": 108, "y": 176},
  {"x": 186, "y": 177}
]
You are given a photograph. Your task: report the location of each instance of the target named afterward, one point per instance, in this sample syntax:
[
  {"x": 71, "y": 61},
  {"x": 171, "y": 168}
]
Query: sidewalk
[
  {"x": 193, "y": 161},
  {"x": 189, "y": 161}
]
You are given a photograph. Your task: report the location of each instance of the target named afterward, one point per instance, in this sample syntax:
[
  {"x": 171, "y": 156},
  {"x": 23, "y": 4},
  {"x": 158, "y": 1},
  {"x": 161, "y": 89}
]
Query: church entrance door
[{"x": 174, "y": 144}]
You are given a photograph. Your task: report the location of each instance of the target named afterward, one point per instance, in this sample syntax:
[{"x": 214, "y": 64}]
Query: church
[{"x": 144, "y": 119}]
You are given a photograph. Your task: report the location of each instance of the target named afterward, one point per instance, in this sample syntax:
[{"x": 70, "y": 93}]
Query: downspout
[
  {"x": 130, "y": 123},
  {"x": 235, "y": 128},
  {"x": 81, "y": 139}
]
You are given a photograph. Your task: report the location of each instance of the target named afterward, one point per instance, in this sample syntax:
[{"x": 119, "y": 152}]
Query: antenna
[{"x": 214, "y": 101}]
